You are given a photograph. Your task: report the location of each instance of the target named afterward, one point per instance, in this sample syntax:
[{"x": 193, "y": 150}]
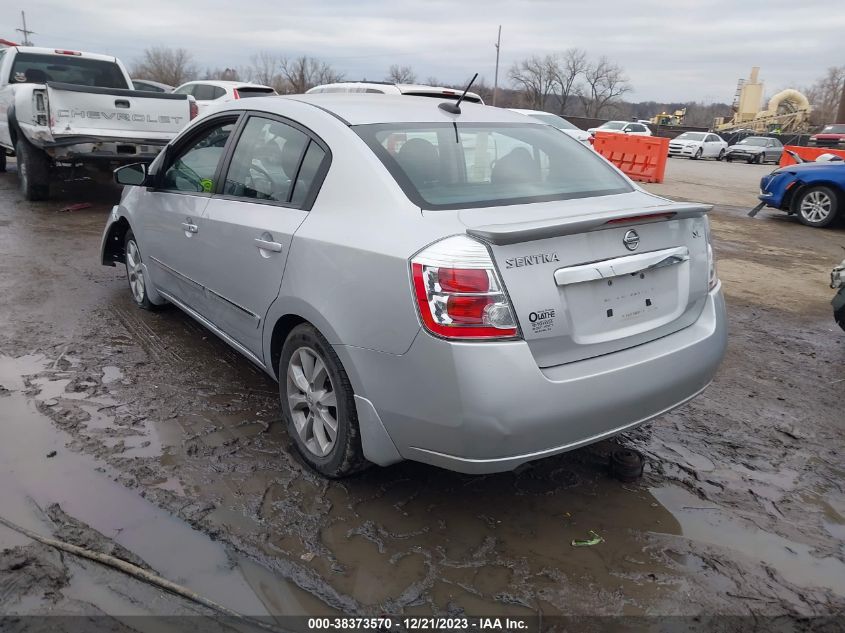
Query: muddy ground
[{"x": 155, "y": 434}]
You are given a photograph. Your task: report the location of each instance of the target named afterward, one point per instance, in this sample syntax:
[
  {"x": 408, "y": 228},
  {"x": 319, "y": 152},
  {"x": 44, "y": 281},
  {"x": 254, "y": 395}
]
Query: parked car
[
  {"x": 837, "y": 281},
  {"x": 560, "y": 123},
  {"x": 387, "y": 88},
  {"x": 622, "y": 127},
  {"x": 209, "y": 92},
  {"x": 831, "y": 136},
  {"x": 539, "y": 302},
  {"x": 755, "y": 149},
  {"x": 148, "y": 85},
  {"x": 697, "y": 145},
  {"x": 813, "y": 191},
  {"x": 68, "y": 106}
]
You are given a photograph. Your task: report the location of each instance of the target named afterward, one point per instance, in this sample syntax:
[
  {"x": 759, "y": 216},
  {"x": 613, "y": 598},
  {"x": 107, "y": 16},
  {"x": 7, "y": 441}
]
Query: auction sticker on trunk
[{"x": 542, "y": 320}]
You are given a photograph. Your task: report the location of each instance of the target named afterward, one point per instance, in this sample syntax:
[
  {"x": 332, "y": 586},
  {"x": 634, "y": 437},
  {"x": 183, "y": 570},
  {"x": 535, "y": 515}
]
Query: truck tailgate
[{"x": 113, "y": 113}]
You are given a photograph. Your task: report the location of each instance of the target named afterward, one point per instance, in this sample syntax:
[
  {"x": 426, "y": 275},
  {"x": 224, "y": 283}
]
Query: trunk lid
[
  {"x": 85, "y": 111},
  {"x": 591, "y": 278}
]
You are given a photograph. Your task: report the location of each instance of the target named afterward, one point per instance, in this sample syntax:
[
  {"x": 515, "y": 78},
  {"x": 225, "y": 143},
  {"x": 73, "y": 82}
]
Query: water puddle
[
  {"x": 33, "y": 479},
  {"x": 702, "y": 521}
]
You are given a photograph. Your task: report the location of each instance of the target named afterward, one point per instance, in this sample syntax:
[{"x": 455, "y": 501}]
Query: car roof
[
  {"x": 363, "y": 109},
  {"x": 388, "y": 88},
  {"x": 226, "y": 84}
]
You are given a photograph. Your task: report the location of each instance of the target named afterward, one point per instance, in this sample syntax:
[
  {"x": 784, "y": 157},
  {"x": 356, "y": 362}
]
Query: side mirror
[{"x": 134, "y": 174}]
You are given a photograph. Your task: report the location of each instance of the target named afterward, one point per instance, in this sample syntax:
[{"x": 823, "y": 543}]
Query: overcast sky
[{"x": 672, "y": 50}]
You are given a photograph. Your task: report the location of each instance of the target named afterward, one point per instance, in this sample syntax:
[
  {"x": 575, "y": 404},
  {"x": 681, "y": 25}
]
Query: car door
[
  {"x": 774, "y": 150},
  {"x": 712, "y": 146},
  {"x": 171, "y": 220},
  {"x": 268, "y": 188}
]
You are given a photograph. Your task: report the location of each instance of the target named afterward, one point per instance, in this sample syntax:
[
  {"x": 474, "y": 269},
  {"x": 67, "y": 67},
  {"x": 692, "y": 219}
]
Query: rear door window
[
  {"x": 266, "y": 161},
  {"x": 203, "y": 92}
]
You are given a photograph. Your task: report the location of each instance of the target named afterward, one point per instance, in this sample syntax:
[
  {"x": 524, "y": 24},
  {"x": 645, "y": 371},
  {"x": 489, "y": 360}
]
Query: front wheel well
[
  {"x": 280, "y": 333},
  {"x": 114, "y": 247}
]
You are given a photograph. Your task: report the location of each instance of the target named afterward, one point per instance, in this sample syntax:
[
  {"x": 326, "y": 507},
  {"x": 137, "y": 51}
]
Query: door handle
[
  {"x": 266, "y": 245},
  {"x": 190, "y": 228}
]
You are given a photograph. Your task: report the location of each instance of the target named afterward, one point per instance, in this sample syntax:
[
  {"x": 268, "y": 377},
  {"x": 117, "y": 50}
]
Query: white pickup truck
[{"x": 63, "y": 108}]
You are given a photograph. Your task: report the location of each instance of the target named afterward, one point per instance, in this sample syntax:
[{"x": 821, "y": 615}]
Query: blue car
[{"x": 815, "y": 192}]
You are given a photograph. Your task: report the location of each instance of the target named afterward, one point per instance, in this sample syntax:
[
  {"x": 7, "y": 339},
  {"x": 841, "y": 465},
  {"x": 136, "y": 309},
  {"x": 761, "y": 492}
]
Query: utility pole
[
  {"x": 26, "y": 32},
  {"x": 496, "y": 76},
  {"x": 840, "y": 116}
]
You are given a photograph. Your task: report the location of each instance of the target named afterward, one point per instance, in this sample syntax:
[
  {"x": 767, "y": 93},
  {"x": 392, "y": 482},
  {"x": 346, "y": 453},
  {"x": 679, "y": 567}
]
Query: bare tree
[
  {"x": 605, "y": 83},
  {"x": 225, "y": 74},
  {"x": 401, "y": 75},
  {"x": 432, "y": 81},
  {"x": 536, "y": 78},
  {"x": 571, "y": 66},
  {"x": 302, "y": 73},
  {"x": 264, "y": 68},
  {"x": 173, "y": 66},
  {"x": 824, "y": 95}
]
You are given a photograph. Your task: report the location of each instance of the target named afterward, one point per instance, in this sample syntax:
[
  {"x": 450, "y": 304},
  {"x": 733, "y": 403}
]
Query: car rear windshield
[
  {"x": 691, "y": 136},
  {"x": 458, "y": 166},
  {"x": 834, "y": 129},
  {"x": 248, "y": 91},
  {"x": 555, "y": 120},
  {"x": 36, "y": 68}
]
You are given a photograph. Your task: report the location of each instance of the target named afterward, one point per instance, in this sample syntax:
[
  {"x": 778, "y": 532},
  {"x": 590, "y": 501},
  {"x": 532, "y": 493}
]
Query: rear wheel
[
  {"x": 817, "y": 206},
  {"x": 33, "y": 171},
  {"x": 318, "y": 404}
]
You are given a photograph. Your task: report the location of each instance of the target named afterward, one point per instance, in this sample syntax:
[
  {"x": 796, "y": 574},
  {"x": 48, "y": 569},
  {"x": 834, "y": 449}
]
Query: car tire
[
  {"x": 311, "y": 378},
  {"x": 817, "y": 206},
  {"x": 761, "y": 158},
  {"x": 33, "y": 171},
  {"x": 138, "y": 282},
  {"x": 721, "y": 155},
  {"x": 729, "y": 159},
  {"x": 697, "y": 155},
  {"x": 2, "y": 160}
]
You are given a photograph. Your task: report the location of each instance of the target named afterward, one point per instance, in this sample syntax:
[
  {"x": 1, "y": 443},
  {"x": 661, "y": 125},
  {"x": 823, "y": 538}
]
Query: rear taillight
[
  {"x": 194, "y": 109},
  {"x": 237, "y": 95},
  {"x": 39, "y": 107},
  {"x": 458, "y": 291},
  {"x": 711, "y": 259}
]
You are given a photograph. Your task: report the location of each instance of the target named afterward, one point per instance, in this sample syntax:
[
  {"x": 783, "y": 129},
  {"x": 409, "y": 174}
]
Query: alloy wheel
[
  {"x": 312, "y": 400},
  {"x": 135, "y": 272},
  {"x": 816, "y": 206}
]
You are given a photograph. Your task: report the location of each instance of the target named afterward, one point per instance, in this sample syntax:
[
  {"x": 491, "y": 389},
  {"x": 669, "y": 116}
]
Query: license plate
[{"x": 607, "y": 309}]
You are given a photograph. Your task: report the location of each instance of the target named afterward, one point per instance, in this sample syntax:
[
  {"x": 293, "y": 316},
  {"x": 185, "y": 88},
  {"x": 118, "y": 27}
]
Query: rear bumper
[{"x": 482, "y": 408}]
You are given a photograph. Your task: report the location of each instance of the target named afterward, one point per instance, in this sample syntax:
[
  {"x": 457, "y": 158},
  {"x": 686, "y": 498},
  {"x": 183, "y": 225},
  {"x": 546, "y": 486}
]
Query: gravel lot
[{"x": 168, "y": 444}]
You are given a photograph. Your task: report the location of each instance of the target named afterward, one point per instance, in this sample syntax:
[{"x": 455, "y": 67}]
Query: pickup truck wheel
[
  {"x": 817, "y": 206},
  {"x": 135, "y": 273},
  {"x": 33, "y": 171},
  {"x": 2, "y": 160},
  {"x": 318, "y": 405}
]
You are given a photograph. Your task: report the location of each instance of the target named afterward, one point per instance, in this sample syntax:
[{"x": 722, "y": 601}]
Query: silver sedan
[{"x": 469, "y": 289}]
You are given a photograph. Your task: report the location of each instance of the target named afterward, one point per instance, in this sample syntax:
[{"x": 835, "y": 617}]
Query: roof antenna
[{"x": 455, "y": 108}]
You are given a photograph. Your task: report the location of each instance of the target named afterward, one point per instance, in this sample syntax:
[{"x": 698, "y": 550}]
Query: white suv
[
  {"x": 207, "y": 91},
  {"x": 385, "y": 88}
]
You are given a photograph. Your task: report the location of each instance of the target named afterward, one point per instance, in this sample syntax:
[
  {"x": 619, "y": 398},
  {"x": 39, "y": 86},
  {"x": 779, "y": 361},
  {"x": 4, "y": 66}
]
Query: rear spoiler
[
  {"x": 501, "y": 234},
  {"x": 117, "y": 92}
]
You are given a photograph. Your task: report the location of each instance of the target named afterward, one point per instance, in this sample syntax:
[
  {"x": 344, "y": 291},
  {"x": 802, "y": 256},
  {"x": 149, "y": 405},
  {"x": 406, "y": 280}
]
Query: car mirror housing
[{"x": 134, "y": 174}]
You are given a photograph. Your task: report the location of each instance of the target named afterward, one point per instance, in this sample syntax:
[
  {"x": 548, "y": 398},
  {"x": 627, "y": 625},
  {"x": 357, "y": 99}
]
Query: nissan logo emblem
[{"x": 631, "y": 240}]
